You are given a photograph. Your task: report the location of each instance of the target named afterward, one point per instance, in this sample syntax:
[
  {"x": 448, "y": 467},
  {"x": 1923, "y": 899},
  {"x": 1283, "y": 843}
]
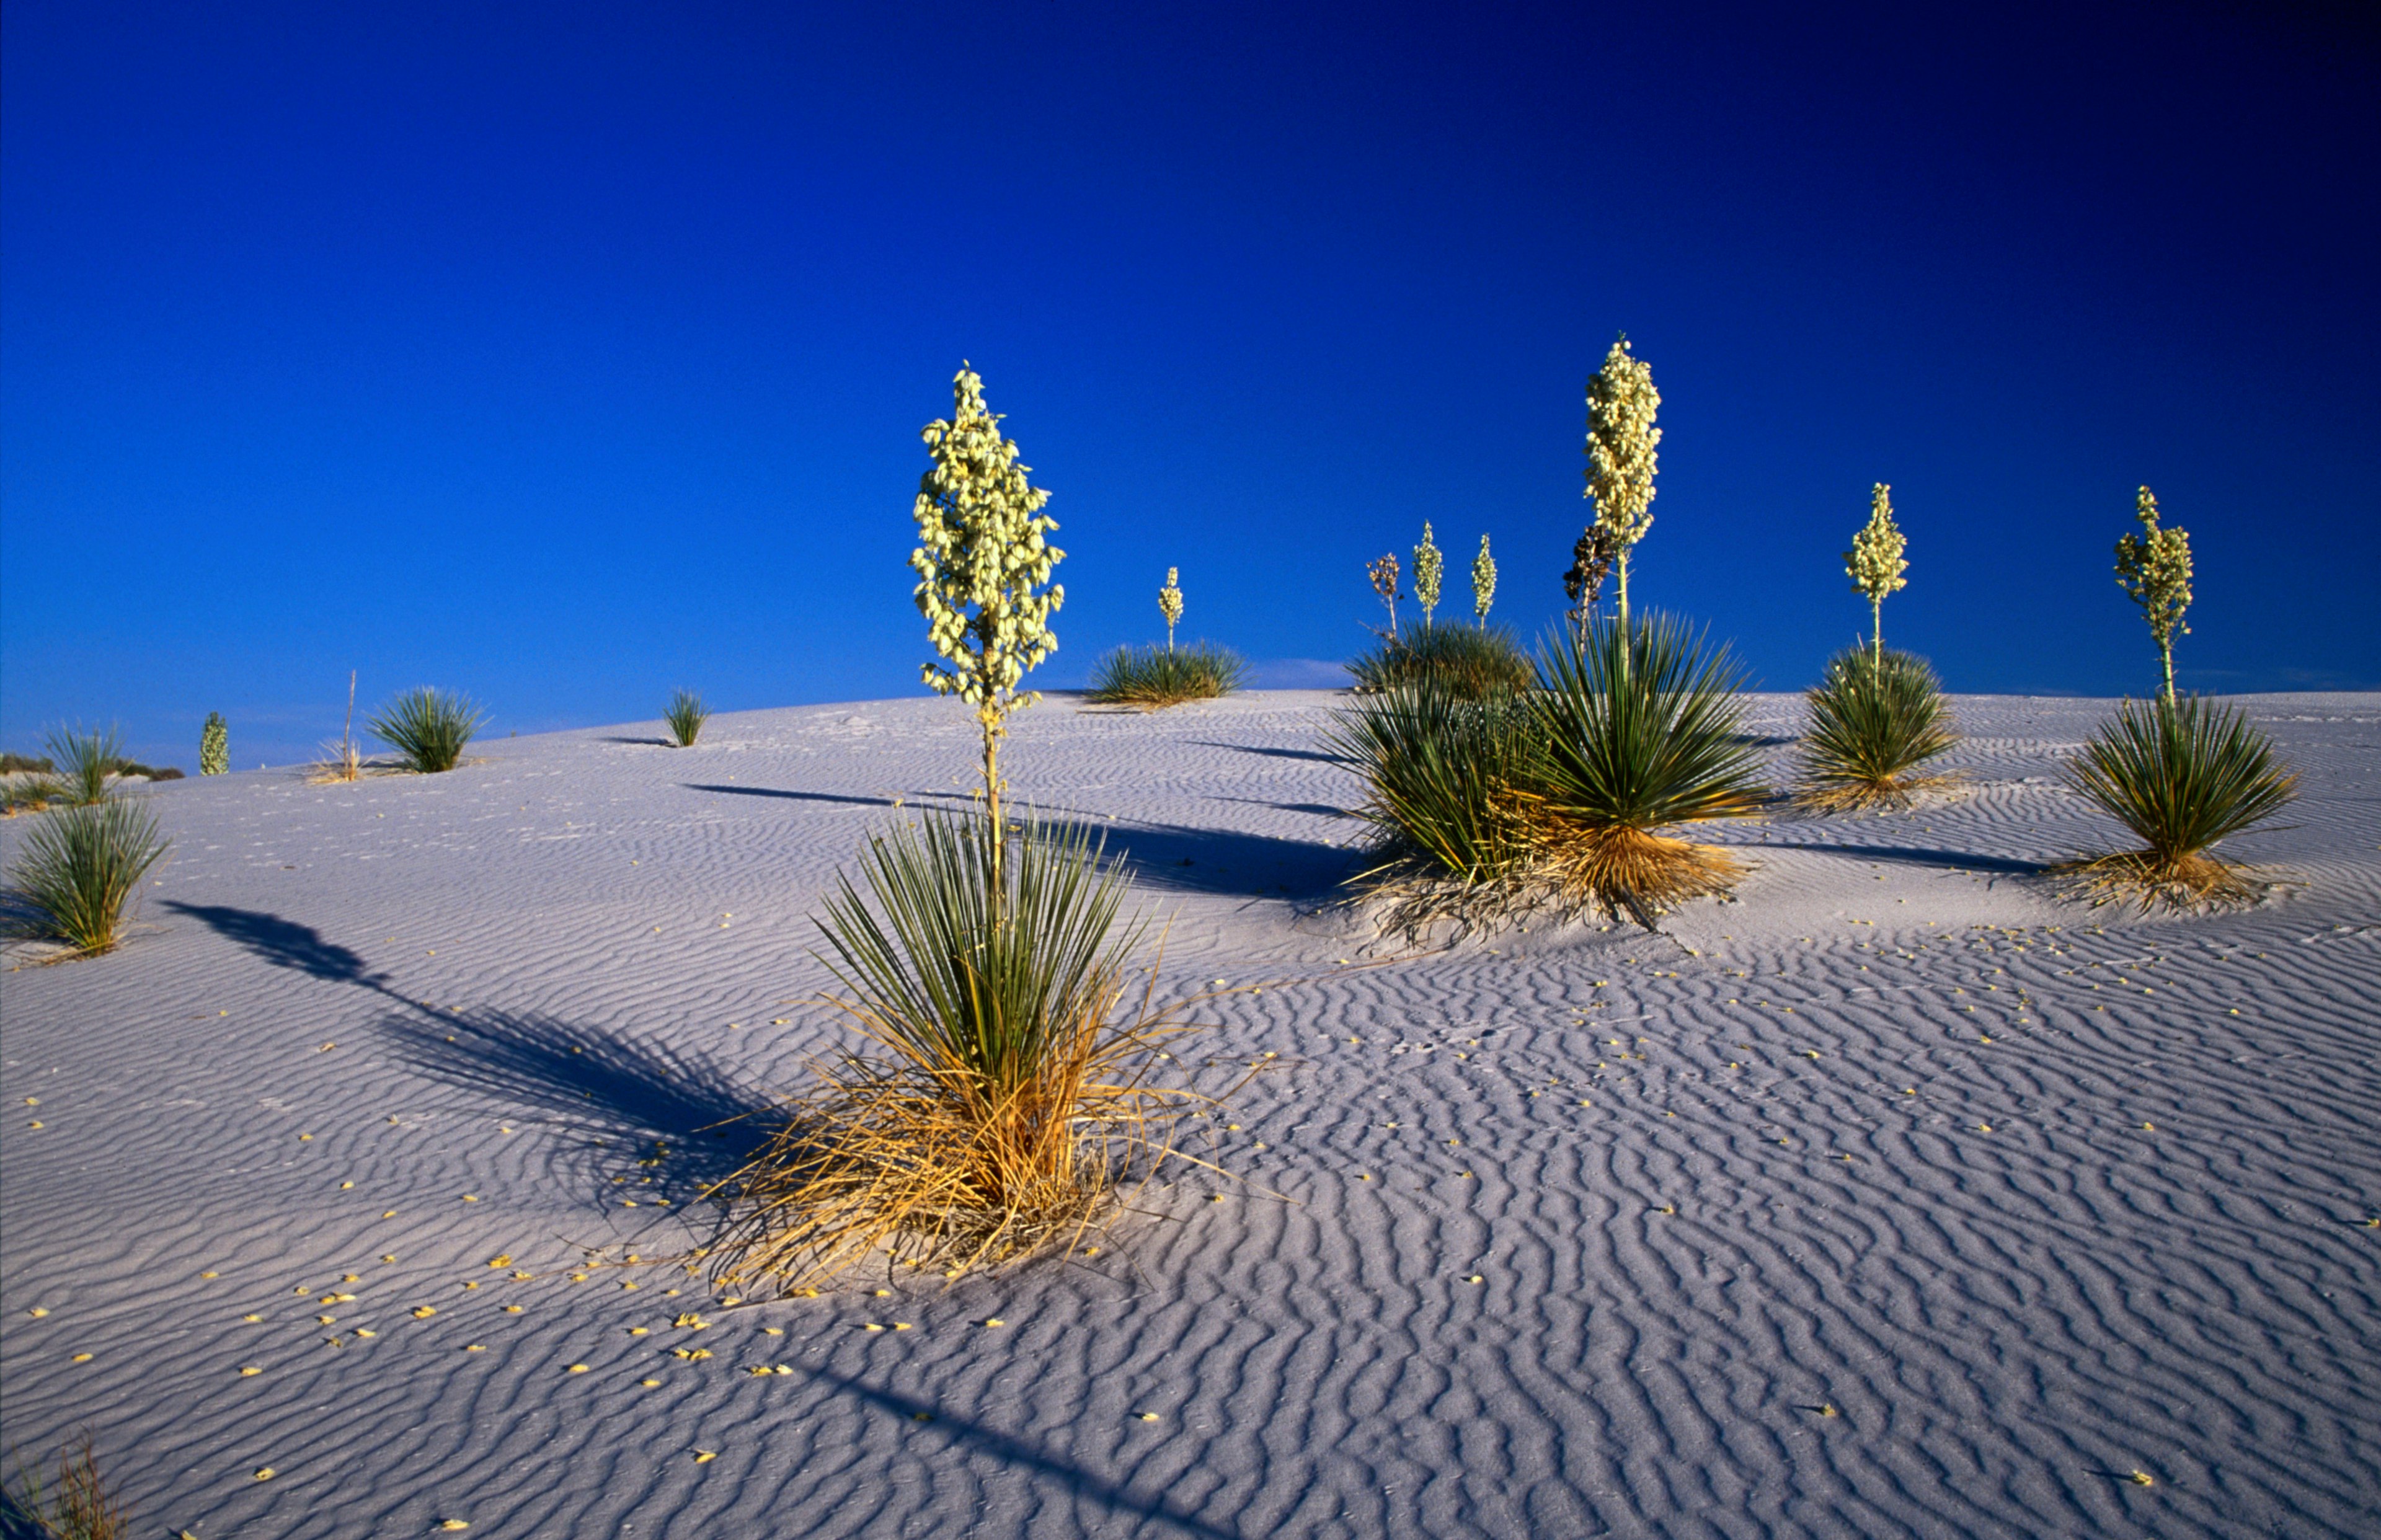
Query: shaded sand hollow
[{"x": 1577, "y": 1233}]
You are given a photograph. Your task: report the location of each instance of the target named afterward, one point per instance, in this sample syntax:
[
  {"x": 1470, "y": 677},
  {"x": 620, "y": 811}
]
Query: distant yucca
[
  {"x": 1148, "y": 677},
  {"x": 214, "y": 746},
  {"x": 428, "y": 728},
  {"x": 684, "y": 718},
  {"x": 1471, "y": 664},
  {"x": 81, "y": 867},
  {"x": 2182, "y": 774}
]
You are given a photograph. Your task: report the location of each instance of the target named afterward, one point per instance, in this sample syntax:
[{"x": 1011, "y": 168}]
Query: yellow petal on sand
[
  {"x": 251, "y": 1320},
  {"x": 704, "y": 1457},
  {"x": 345, "y": 1185},
  {"x": 870, "y": 1327},
  {"x": 996, "y": 1321},
  {"x": 470, "y": 1198},
  {"x": 82, "y": 1357},
  {"x": 2143, "y": 1478},
  {"x": 267, "y": 1472},
  {"x": 504, "y": 1261},
  {"x": 40, "y": 1311},
  {"x": 246, "y": 1371},
  {"x": 512, "y": 1310},
  {"x": 389, "y": 1214},
  {"x": 1148, "y": 1416},
  {"x": 424, "y": 1312},
  {"x": 366, "y": 1331},
  {"x": 388, "y": 1256},
  {"x": 772, "y": 1331},
  {"x": 650, "y": 1384},
  {"x": 207, "y": 1275},
  {"x": 576, "y": 1369},
  {"x": 456, "y": 1524}
]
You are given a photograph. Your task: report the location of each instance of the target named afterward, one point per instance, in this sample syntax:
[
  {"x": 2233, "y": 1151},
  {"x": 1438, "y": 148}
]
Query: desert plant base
[
  {"x": 1619, "y": 872},
  {"x": 2183, "y": 883},
  {"x": 1885, "y": 794}
]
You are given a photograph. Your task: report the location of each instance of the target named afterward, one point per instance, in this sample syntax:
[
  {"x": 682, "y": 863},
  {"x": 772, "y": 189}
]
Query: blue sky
[{"x": 565, "y": 356}]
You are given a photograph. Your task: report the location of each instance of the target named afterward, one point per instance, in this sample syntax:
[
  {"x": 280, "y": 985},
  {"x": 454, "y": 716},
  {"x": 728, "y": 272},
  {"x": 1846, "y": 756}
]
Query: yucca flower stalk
[
  {"x": 1169, "y": 604},
  {"x": 984, "y": 560},
  {"x": 1874, "y": 566},
  {"x": 1429, "y": 569},
  {"x": 1483, "y": 582},
  {"x": 1621, "y": 439},
  {"x": 214, "y": 746},
  {"x": 1385, "y": 576},
  {"x": 2153, "y": 568},
  {"x": 1590, "y": 563}
]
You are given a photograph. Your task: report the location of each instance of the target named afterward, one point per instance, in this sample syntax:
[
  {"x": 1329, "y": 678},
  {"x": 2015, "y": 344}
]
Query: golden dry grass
[
  {"x": 2180, "y": 883},
  {"x": 79, "y": 1507}
]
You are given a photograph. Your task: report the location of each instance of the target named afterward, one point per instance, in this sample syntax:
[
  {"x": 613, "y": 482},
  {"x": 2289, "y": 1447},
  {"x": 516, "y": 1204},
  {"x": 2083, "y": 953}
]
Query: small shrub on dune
[
  {"x": 1005, "y": 1100},
  {"x": 1156, "y": 676},
  {"x": 1447, "y": 774},
  {"x": 79, "y": 869},
  {"x": 2182, "y": 774},
  {"x": 85, "y": 762},
  {"x": 214, "y": 746},
  {"x": 684, "y": 718},
  {"x": 1643, "y": 729},
  {"x": 1471, "y": 662},
  {"x": 1875, "y": 717},
  {"x": 429, "y": 729}
]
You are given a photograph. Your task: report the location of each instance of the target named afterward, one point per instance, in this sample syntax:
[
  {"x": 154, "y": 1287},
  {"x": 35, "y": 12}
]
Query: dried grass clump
[
  {"x": 1001, "y": 1102},
  {"x": 1485, "y": 809},
  {"x": 79, "y": 1507},
  {"x": 1473, "y": 662},
  {"x": 1156, "y": 677},
  {"x": 78, "y": 870},
  {"x": 2182, "y": 774},
  {"x": 1876, "y": 716}
]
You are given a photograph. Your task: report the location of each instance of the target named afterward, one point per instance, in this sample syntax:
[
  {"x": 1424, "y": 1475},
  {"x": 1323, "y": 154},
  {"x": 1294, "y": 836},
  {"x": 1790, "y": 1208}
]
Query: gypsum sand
[{"x": 482, "y": 997}]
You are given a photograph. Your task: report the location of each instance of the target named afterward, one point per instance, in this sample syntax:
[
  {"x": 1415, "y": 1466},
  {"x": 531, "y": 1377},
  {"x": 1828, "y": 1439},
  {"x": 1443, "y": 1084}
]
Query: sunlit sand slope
[{"x": 1898, "y": 1197}]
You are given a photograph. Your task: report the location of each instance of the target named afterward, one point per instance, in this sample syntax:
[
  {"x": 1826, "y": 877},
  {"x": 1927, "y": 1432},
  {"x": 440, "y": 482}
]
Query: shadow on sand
[
  {"x": 1180, "y": 858},
  {"x": 1906, "y": 855},
  {"x": 793, "y": 796}
]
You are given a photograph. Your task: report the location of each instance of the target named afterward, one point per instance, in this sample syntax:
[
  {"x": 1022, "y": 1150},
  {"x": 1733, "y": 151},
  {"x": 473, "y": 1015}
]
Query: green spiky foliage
[
  {"x": 1875, "y": 717},
  {"x": 1484, "y": 583},
  {"x": 1006, "y": 1097},
  {"x": 85, "y": 760},
  {"x": 2182, "y": 774},
  {"x": 429, "y": 729},
  {"x": 1430, "y": 571},
  {"x": 2153, "y": 568},
  {"x": 1446, "y": 778},
  {"x": 214, "y": 746},
  {"x": 1471, "y": 664},
  {"x": 79, "y": 868},
  {"x": 1643, "y": 727},
  {"x": 1154, "y": 677},
  {"x": 684, "y": 718}
]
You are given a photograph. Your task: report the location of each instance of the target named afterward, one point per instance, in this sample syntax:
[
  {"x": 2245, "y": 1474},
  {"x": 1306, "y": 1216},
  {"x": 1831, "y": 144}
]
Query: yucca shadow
[
  {"x": 284, "y": 943},
  {"x": 794, "y": 795},
  {"x": 1905, "y": 855},
  {"x": 597, "y": 1086},
  {"x": 1184, "y": 859}
]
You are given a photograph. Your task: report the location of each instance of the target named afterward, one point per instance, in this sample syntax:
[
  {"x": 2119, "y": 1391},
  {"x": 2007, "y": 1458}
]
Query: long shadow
[
  {"x": 1913, "y": 856},
  {"x": 1191, "y": 859},
  {"x": 1017, "y": 1451},
  {"x": 284, "y": 943},
  {"x": 793, "y": 796},
  {"x": 1315, "y": 754},
  {"x": 594, "y": 1082},
  {"x": 1321, "y": 810}
]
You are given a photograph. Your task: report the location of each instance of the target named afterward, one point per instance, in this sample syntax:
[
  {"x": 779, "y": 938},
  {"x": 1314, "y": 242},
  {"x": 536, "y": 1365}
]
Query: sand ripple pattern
[{"x": 1900, "y": 1197}]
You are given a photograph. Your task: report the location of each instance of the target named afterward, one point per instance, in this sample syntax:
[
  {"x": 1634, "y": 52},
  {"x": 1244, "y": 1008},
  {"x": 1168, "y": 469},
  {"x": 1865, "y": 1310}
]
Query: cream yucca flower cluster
[
  {"x": 1621, "y": 438},
  {"x": 2154, "y": 567},
  {"x": 1875, "y": 562},
  {"x": 1429, "y": 570},
  {"x": 982, "y": 560},
  {"x": 1169, "y": 604},
  {"x": 1483, "y": 582}
]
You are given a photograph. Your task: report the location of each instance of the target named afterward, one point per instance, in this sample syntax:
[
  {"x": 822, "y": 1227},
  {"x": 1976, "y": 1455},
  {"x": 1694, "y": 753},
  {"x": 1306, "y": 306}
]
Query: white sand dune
[{"x": 1708, "y": 1183}]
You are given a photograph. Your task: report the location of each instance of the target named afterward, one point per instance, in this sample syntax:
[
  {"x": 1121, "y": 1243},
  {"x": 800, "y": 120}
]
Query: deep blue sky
[{"x": 567, "y": 357}]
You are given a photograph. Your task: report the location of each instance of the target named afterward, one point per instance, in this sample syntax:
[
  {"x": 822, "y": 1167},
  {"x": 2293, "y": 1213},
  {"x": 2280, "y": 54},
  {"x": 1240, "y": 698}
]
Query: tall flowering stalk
[
  {"x": 1874, "y": 565},
  {"x": 1483, "y": 582},
  {"x": 1169, "y": 604},
  {"x": 214, "y": 746},
  {"x": 982, "y": 562},
  {"x": 1384, "y": 574},
  {"x": 1429, "y": 569},
  {"x": 1621, "y": 438},
  {"x": 2154, "y": 568}
]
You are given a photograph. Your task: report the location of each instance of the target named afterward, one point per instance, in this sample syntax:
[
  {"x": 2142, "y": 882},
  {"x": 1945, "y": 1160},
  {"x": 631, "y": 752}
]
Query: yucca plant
[
  {"x": 214, "y": 746},
  {"x": 1154, "y": 677},
  {"x": 1447, "y": 776},
  {"x": 79, "y": 1507},
  {"x": 1473, "y": 663},
  {"x": 85, "y": 760},
  {"x": 1007, "y": 1097},
  {"x": 2182, "y": 774},
  {"x": 79, "y": 869},
  {"x": 1643, "y": 731},
  {"x": 1876, "y": 716},
  {"x": 427, "y": 727},
  {"x": 686, "y": 716}
]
